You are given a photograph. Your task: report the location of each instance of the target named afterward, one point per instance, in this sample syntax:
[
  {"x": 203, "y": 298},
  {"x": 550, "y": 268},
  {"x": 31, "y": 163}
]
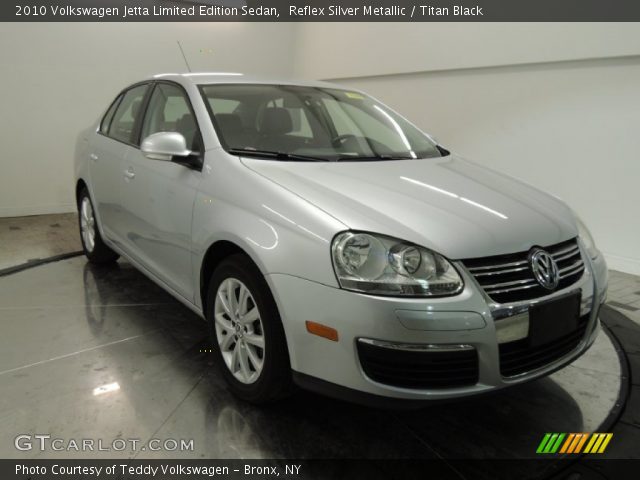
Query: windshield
[{"x": 308, "y": 123}]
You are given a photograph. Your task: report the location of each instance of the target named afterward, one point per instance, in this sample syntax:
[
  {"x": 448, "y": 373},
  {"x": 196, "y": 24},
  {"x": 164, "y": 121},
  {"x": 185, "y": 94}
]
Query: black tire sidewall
[
  {"x": 274, "y": 380},
  {"x": 101, "y": 253}
]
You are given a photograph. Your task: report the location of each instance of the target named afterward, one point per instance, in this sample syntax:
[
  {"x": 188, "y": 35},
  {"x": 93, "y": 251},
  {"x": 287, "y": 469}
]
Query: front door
[{"x": 159, "y": 195}]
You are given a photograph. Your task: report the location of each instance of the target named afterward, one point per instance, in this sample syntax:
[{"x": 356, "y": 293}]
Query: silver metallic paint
[
  {"x": 284, "y": 216},
  {"x": 164, "y": 146}
]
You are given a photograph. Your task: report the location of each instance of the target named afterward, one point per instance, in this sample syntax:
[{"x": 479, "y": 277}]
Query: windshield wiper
[
  {"x": 308, "y": 158},
  {"x": 276, "y": 155},
  {"x": 380, "y": 157}
]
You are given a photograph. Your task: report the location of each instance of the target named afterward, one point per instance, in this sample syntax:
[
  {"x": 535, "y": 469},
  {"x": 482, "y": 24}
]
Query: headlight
[
  {"x": 382, "y": 265},
  {"x": 587, "y": 239}
]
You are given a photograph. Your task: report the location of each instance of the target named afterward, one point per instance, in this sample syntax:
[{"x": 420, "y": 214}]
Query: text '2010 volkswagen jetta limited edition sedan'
[{"x": 331, "y": 244}]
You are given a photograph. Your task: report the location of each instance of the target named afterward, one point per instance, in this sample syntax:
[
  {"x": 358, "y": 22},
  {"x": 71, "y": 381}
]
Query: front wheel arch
[{"x": 214, "y": 256}]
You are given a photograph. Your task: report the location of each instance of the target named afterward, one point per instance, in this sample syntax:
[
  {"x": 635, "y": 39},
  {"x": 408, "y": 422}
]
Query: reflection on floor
[
  {"x": 624, "y": 291},
  {"x": 103, "y": 353},
  {"x": 28, "y": 238}
]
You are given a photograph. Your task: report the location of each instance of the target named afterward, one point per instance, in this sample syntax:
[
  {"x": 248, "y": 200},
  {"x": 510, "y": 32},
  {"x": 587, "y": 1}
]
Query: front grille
[
  {"x": 518, "y": 357},
  {"x": 509, "y": 278},
  {"x": 419, "y": 369}
]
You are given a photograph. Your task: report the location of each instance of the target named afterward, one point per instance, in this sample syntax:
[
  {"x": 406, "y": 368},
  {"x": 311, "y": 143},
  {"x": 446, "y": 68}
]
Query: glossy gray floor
[{"x": 90, "y": 353}]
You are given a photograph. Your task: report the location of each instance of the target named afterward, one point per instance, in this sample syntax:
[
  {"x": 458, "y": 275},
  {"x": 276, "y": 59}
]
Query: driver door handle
[{"x": 129, "y": 173}]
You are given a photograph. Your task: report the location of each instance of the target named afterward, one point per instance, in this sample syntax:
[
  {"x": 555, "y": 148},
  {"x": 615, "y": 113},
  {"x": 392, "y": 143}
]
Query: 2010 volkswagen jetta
[{"x": 330, "y": 243}]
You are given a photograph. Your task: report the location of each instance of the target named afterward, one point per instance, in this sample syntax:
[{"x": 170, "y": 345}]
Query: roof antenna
[{"x": 184, "y": 56}]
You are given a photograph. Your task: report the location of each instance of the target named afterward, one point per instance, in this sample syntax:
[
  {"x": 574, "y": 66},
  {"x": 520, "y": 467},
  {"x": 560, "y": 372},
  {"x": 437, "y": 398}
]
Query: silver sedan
[{"x": 329, "y": 243}]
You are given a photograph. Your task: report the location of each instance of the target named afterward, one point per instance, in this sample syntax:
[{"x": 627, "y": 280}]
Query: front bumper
[{"x": 454, "y": 323}]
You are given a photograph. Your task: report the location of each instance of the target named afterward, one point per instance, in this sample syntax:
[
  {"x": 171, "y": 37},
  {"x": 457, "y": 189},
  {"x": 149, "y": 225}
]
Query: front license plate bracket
[{"x": 554, "y": 319}]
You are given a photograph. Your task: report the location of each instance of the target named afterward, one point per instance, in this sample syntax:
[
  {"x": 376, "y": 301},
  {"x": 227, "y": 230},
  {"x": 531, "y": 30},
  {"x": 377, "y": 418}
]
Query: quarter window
[
  {"x": 127, "y": 112},
  {"x": 106, "y": 120}
]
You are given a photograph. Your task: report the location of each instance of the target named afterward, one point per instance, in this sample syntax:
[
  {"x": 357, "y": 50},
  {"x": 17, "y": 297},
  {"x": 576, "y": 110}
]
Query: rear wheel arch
[
  {"x": 80, "y": 186},
  {"x": 93, "y": 245}
]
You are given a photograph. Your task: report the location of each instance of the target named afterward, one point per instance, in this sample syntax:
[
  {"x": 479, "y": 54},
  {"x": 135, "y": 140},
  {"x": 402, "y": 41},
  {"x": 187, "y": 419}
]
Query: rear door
[
  {"x": 107, "y": 153},
  {"x": 159, "y": 198}
]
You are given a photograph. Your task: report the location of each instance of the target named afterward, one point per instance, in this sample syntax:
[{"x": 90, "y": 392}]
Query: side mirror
[{"x": 164, "y": 146}]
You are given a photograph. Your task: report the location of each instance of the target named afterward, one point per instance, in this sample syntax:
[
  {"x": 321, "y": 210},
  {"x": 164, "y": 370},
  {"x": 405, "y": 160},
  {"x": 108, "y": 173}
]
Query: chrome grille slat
[
  {"x": 509, "y": 284},
  {"x": 568, "y": 255},
  {"x": 509, "y": 278},
  {"x": 570, "y": 267},
  {"x": 514, "y": 289},
  {"x": 578, "y": 269},
  {"x": 574, "y": 249},
  {"x": 499, "y": 272},
  {"x": 496, "y": 267}
]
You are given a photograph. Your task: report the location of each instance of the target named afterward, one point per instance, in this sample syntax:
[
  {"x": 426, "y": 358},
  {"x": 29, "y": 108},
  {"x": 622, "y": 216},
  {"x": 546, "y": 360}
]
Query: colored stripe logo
[{"x": 567, "y": 443}]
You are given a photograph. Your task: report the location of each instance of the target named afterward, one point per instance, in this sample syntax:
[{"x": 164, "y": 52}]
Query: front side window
[
  {"x": 169, "y": 111},
  {"x": 318, "y": 123},
  {"x": 128, "y": 111}
]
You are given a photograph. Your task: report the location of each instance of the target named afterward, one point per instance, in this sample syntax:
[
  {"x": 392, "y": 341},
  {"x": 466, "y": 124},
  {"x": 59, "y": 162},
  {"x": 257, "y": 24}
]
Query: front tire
[
  {"x": 247, "y": 332},
  {"x": 92, "y": 245}
]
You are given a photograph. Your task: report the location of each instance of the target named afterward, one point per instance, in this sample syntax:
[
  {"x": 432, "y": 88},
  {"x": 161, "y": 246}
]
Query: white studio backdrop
[
  {"x": 556, "y": 105},
  {"x": 58, "y": 77}
]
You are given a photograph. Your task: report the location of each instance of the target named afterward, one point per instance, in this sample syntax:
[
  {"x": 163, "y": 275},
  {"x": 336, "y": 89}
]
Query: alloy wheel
[
  {"x": 239, "y": 330},
  {"x": 87, "y": 224}
]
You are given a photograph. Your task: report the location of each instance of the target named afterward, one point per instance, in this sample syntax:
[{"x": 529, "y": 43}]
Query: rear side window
[
  {"x": 126, "y": 114},
  {"x": 106, "y": 120}
]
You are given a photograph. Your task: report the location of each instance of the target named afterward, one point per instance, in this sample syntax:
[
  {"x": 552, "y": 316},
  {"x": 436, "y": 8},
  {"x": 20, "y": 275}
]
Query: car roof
[{"x": 207, "y": 78}]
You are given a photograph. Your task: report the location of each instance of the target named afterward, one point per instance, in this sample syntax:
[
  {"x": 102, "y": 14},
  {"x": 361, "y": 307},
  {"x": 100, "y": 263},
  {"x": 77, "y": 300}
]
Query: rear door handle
[
  {"x": 93, "y": 157},
  {"x": 129, "y": 173}
]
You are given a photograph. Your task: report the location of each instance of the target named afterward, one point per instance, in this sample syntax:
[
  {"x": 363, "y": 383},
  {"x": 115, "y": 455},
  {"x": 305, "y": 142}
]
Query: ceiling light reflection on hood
[{"x": 454, "y": 195}]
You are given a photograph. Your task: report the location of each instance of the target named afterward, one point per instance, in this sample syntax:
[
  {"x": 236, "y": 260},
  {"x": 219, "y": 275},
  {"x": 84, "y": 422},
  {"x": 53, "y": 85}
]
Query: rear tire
[
  {"x": 92, "y": 245},
  {"x": 247, "y": 333}
]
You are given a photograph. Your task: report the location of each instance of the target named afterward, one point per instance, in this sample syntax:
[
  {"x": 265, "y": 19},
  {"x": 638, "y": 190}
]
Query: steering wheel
[{"x": 340, "y": 140}]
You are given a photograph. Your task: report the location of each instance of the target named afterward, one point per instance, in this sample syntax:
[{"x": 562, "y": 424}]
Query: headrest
[
  {"x": 230, "y": 123},
  {"x": 186, "y": 122},
  {"x": 276, "y": 121}
]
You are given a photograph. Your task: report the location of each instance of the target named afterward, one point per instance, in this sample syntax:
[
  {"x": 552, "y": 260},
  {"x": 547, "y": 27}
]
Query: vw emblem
[{"x": 545, "y": 269}]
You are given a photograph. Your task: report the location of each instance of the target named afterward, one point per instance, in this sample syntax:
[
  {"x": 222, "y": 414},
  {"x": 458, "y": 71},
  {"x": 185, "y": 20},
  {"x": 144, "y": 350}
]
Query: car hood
[{"x": 453, "y": 206}]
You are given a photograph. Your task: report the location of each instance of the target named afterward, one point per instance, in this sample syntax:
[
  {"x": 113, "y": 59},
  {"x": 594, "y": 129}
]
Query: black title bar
[
  {"x": 320, "y": 11},
  {"x": 232, "y": 469}
]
